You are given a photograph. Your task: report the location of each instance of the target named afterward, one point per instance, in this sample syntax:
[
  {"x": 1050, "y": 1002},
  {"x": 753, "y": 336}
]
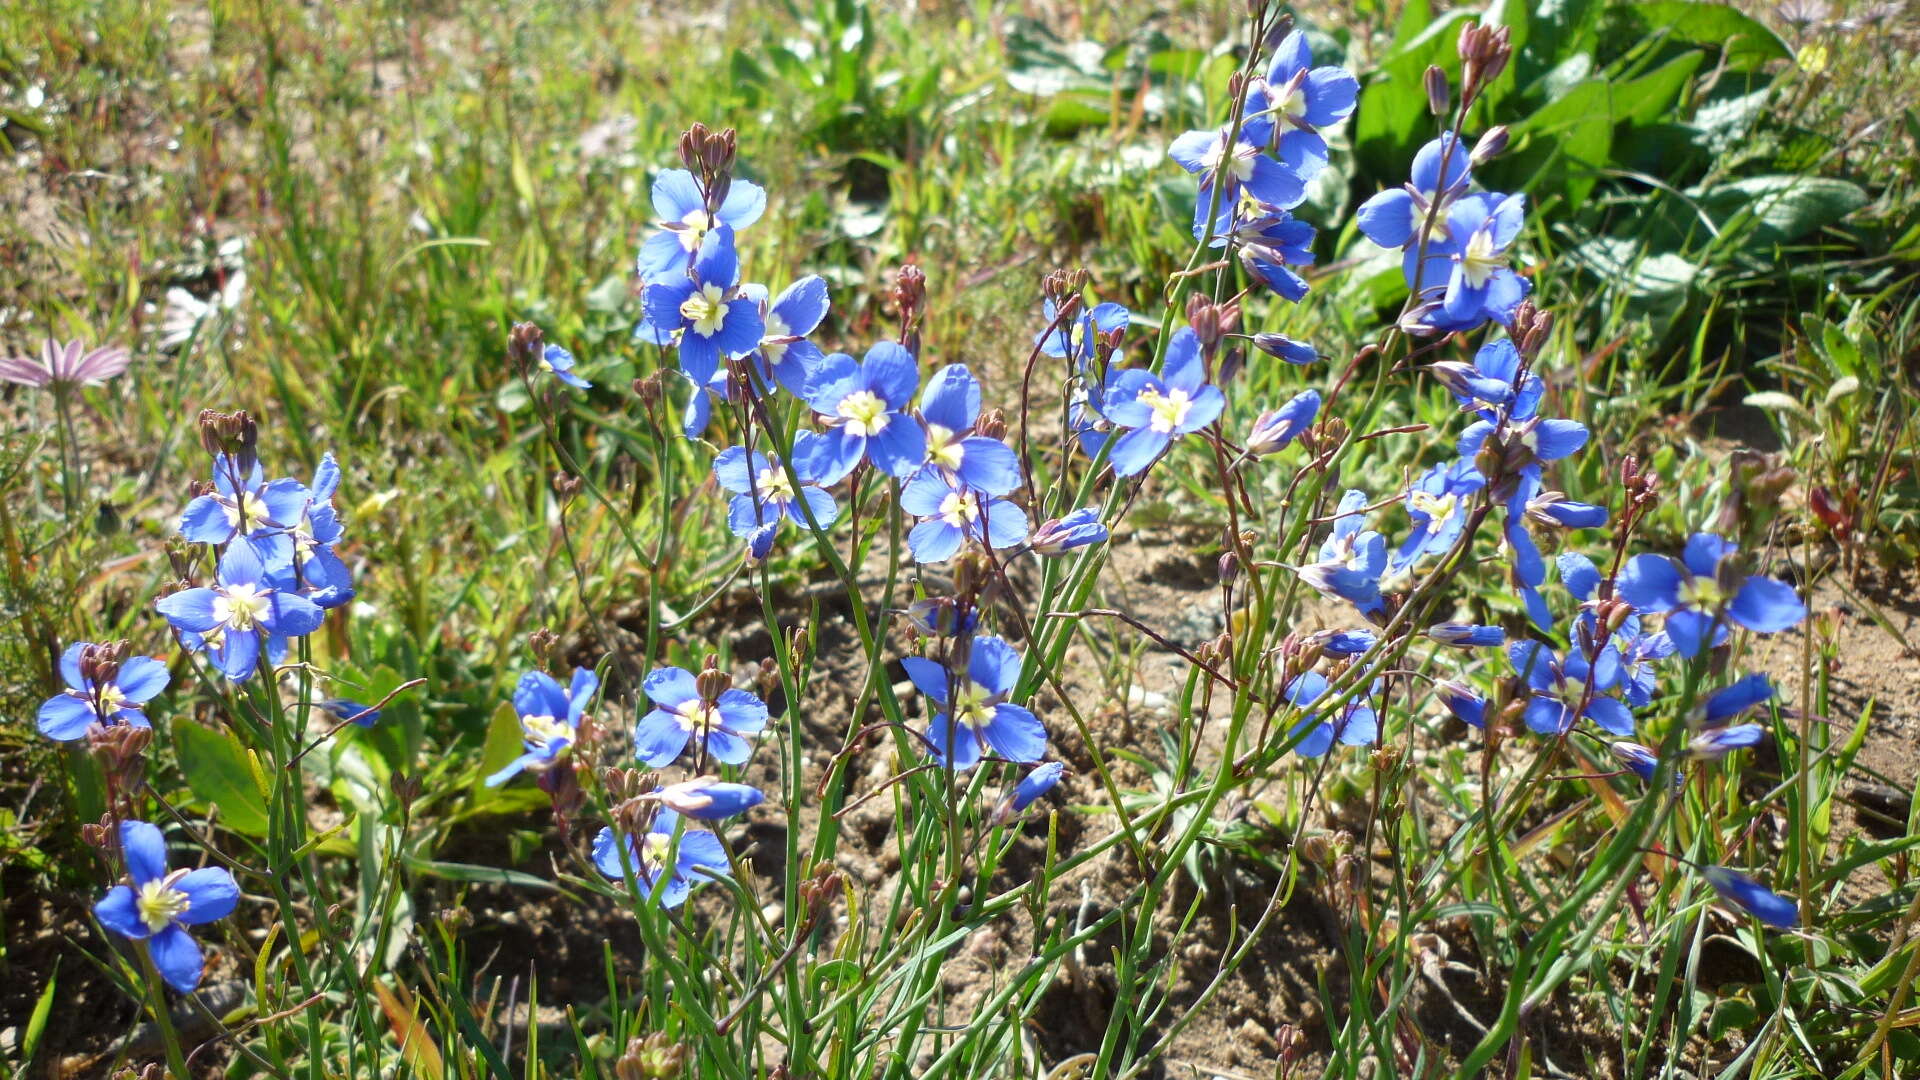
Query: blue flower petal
[
  {"x": 1766, "y": 606},
  {"x": 177, "y": 956}
]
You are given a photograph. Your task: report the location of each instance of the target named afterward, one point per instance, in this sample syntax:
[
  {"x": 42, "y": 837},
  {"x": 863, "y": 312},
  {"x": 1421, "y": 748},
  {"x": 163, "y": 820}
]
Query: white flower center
[
  {"x": 864, "y": 412},
  {"x": 110, "y": 699},
  {"x": 245, "y": 513},
  {"x": 697, "y": 223},
  {"x": 944, "y": 447},
  {"x": 242, "y": 606},
  {"x": 1701, "y": 592},
  {"x": 696, "y": 717},
  {"x": 1169, "y": 409},
  {"x": 706, "y": 309},
  {"x": 1438, "y": 508},
  {"x": 543, "y": 731},
  {"x": 959, "y": 508},
  {"x": 972, "y": 705},
  {"x": 159, "y": 903},
  {"x": 1480, "y": 260},
  {"x": 776, "y": 328}
]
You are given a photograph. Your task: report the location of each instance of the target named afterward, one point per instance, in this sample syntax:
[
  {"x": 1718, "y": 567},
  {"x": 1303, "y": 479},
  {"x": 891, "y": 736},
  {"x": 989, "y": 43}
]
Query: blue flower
[
  {"x": 1717, "y": 743},
  {"x": 343, "y": 710},
  {"x": 1244, "y": 167},
  {"x": 979, "y": 716},
  {"x": 685, "y": 222},
  {"x": 1357, "y": 726},
  {"x": 705, "y": 798},
  {"x": 1286, "y": 348},
  {"x": 949, "y": 407},
  {"x": 784, "y": 347},
  {"x": 1463, "y": 702},
  {"x": 1271, "y": 240},
  {"x": 697, "y": 857},
  {"x": 1057, "y": 536},
  {"x": 1639, "y": 650},
  {"x": 763, "y": 494},
  {"x": 1275, "y": 428},
  {"x": 549, "y": 719},
  {"x": 1768, "y": 906},
  {"x": 865, "y": 402},
  {"x": 1156, "y": 409},
  {"x": 317, "y": 566},
  {"x": 1464, "y": 279},
  {"x": 1395, "y": 217},
  {"x": 714, "y": 320},
  {"x": 1553, "y": 508},
  {"x": 1730, "y": 701},
  {"x": 1467, "y": 635},
  {"x": 158, "y": 905},
  {"x": 1039, "y": 780},
  {"x": 1077, "y": 337},
  {"x": 100, "y": 691},
  {"x": 681, "y": 713},
  {"x": 940, "y": 616},
  {"x": 1638, "y": 759},
  {"x": 951, "y": 516},
  {"x": 243, "y": 613},
  {"x": 1438, "y": 503},
  {"x": 1296, "y": 99},
  {"x": 246, "y": 507},
  {"x": 558, "y": 362},
  {"x": 1702, "y": 595},
  {"x": 1492, "y": 385},
  {"x": 1344, "y": 642},
  {"x": 1556, "y": 686},
  {"x": 1351, "y": 559}
]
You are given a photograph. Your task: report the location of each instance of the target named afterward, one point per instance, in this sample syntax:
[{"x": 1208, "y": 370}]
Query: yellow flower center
[
  {"x": 543, "y": 731},
  {"x": 696, "y": 716},
  {"x": 1169, "y": 409},
  {"x": 944, "y": 448},
  {"x": 245, "y": 513},
  {"x": 1480, "y": 260},
  {"x": 697, "y": 223},
  {"x": 242, "y": 606},
  {"x": 959, "y": 508},
  {"x": 159, "y": 903},
  {"x": 706, "y": 309},
  {"x": 1438, "y": 508},
  {"x": 111, "y": 699},
  {"x": 970, "y": 705},
  {"x": 776, "y": 328},
  {"x": 864, "y": 412},
  {"x": 1703, "y": 593}
]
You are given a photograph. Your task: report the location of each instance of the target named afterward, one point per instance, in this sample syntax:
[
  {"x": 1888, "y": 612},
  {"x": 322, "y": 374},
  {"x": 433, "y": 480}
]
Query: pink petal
[
  {"x": 23, "y": 370},
  {"x": 102, "y": 364}
]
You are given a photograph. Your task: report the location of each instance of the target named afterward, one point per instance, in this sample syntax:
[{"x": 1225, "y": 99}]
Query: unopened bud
[
  {"x": 1229, "y": 568},
  {"x": 1204, "y": 317},
  {"x": 405, "y": 787},
  {"x": 542, "y": 643},
  {"x": 992, "y": 424},
  {"x": 1439, "y": 94},
  {"x": 648, "y": 389},
  {"x": 712, "y": 682},
  {"x": 1491, "y": 145},
  {"x": 525, "y": 342},
  {"x": 565, "y": 484}
]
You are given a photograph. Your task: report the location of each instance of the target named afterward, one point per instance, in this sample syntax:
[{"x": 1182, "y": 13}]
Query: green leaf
[
  {"x": 1392, "y": 113},
  {"x": 1650, "y": 99},
  {"x": 221, "y": 772},
  {"x": 1781, "y": 209},
  {"x": 1744, "y": 43},
  {"x": 37, "y": 1023},
  {"x": 1561, "y": 148},
  {"x": 478, "y": 875},
  {"x": 504, "y": 743}
]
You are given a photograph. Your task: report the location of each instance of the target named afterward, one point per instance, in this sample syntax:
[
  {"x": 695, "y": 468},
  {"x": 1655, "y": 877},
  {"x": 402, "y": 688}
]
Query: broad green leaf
[
  {"x": 1782, "y": 209},
  {"x": 478, "y": 875},
  {"x": 504, "y": 742},
  {"x": 1651, "y": 98},
  {"x": 218, "y": 770},
  {"x": 1745, "y": 44}
]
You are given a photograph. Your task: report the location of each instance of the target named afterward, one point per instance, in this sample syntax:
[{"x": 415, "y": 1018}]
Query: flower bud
[
  {"x": 1491, "y": 145},
  {"x": 712, "y": 682},
  {"x": 1229, "y": 568},
  {"x": 1205, "y": 319},
  {"x": 1439, "y": 94},
  {"x": 1058, "y": 536},
  {"x": 565, "y": 484},
  {"x": 542, "y": 643},
  {"x": 991, "y": 425},
  {"x": 1275, "y": 428},
  {"x": 525, "y": 342},
  {"x": 648, "y": 389},
  {"x": 1285, "y": 348}
]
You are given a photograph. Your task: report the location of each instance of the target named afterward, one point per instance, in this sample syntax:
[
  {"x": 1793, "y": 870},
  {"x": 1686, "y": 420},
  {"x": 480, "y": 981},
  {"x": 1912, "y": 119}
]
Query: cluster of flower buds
[
  {"x": 656, "y": 1057},
  {"x": 525, "y": 343},
  {"x": 709, "y": 154},
  {"x": 910, "y": 296},
  {"x": 121, "y": 751},
  {"x": 1484, "y": 51},
  {"x": 231, "y": 434}
]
